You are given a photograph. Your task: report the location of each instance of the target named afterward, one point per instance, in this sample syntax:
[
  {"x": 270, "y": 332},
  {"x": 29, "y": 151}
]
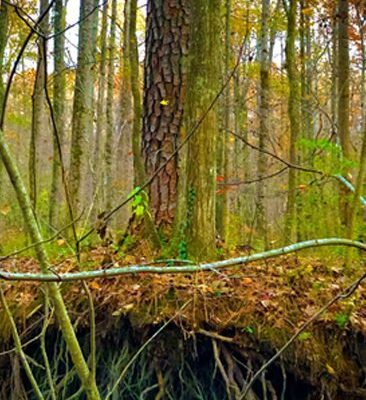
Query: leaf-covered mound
[{"x": 255, "y": 307}]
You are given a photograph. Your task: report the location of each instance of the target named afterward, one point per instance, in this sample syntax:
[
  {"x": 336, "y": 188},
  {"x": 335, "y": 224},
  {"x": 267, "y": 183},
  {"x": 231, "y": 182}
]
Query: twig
[
  {"x": 247, "y": 182},
  {"x": 46, "y": 361},
  {"x": 221, "y": 368},
  {"x": 215, "y": 335},
  {"x": 269, "y": 153},
  {"x": 16, "y": 63}
]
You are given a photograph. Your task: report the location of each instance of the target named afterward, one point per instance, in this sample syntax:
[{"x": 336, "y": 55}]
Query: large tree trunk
[
  {"x": 59, "y": 98},
  {"x": 294, "y": 116},
  {"x": 83, "y": 113},
  {"x": 167, "y": 34},
  {"x": 202, "y": 86},
  {"x": 139, "y": 171}
]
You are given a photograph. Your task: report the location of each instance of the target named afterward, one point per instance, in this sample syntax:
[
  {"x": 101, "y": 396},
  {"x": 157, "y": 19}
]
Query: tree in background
[
  {"x": 294, "y": 116},
  {"x": 39, "y": 113},
  {"x": 343, "y": 72},
  {"x": 59, "y": 100},
  {"x": 264, "y": 118},
  {"x": 101, "y": 109},
  {"x": 110, "y": 129},
  {"x": 83, "y": 112}
]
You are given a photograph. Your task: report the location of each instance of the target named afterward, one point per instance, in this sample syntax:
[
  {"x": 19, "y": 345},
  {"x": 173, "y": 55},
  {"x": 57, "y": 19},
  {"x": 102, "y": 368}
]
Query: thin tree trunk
[
  {"x": 59, "y": 98},
  {"x": 306, "y": 109},
  {"x": 294, "y": 116},
  {"x": 335, "y": 92},
  {"x": 4, "y": 20},
  {"x": 3, "y": 41},
  {"x": 109, "y": 145},
  {"x": 124, "y": 160},
  {"x": 263, "y": 120},
  {"x": 344, "y": 98},
  {"x": 136, "y": 95},
  {"x": 61, "y": 313},
  {"x": 82, "y": 118},
  {"x": 222, "y": 210},
  {"x": 101, "y": 109},
  {"x": 39, "y": 118},
  {"x": 354, "y": 206}
]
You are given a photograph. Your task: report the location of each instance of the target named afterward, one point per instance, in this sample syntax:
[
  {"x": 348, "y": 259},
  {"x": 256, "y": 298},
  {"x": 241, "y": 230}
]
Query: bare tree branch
[{"x": 209, "y": 266}]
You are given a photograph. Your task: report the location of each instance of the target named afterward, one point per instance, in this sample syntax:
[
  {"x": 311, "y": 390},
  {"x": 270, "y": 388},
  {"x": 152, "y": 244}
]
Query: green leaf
[
  {"x": 134, "y": 191},
  {"x": 304, "y": 336},
  {"x": 137, "y": 200},
  {"x": 139, "y": 211},
  {"x": 341, "y": 320},
  {"x": 248, "y": 329}
]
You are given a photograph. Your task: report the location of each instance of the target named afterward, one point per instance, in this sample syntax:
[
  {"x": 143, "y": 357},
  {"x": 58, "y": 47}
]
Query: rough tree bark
[
  {"x": 167, "y": 36},
  {"x": 59, "y": 98},
  {"x": 139, "y": 171}
]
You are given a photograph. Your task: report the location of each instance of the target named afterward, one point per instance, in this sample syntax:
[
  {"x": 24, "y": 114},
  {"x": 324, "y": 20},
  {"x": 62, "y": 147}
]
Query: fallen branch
[{"x": 137, "y": 269}]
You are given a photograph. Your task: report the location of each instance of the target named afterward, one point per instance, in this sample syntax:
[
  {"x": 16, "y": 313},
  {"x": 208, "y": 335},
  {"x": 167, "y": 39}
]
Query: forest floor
[{"x": 257, "y": 306}]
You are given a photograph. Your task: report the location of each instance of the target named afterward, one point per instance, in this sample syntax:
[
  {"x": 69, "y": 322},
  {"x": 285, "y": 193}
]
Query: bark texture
[
  {"x": 39, "y": 119},
  {"x": 59, "y": 98},
  {"x": 109, "y": 144},
  {"x": 101, "y": 109},
  {"x": 82, "y": 118},
  {"x": 165, "y": 80},
  {"x": 202, "y": 86},
  {"x": 344, "y": 98},
  {"x": 263, "y": 119},
  {"x": 294, "y": 116}
]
